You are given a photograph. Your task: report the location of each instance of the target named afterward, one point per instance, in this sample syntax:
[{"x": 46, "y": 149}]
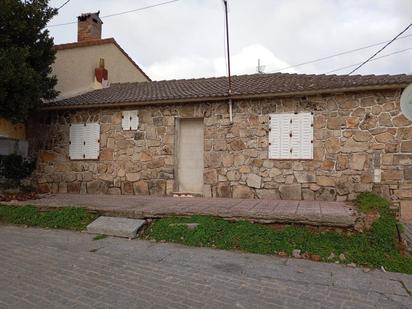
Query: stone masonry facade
[{"x": 356, "y": 135}]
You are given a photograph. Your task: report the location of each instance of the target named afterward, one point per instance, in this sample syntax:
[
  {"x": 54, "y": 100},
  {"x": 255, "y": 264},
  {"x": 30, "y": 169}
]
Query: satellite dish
[{"x": 406, "y": 102}]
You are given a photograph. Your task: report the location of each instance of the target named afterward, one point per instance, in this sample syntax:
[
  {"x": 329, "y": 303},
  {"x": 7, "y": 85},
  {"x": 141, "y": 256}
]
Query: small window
[
  {"x": 84, "y": 141},
  {"x": 291, "y": 136},
  {"x": 130, "y": 120}
]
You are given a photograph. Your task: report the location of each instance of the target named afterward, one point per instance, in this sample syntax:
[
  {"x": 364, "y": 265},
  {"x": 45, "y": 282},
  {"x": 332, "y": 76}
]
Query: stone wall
[{"x": 356, "y": 136}]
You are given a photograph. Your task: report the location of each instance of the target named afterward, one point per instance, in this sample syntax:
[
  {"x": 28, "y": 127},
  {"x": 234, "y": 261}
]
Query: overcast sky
[{"x": 185, "y": 39}]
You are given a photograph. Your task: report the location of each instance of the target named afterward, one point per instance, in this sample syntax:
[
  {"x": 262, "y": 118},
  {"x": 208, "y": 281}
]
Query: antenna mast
[{"x": 229, "y": 77}]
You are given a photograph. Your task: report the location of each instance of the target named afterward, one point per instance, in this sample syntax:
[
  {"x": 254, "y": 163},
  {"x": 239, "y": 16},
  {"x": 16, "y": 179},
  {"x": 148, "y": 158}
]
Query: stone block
[
  {"x": 406, "y": 210},
  {"x": 357, "y": 161},
  {"x": 407, "y": 173},
  {"x": 157, "y": 187},
  {"x": 132, "y": 177},
  {"x": 242, "y": 192},
  {"x": 223, "y": 189},
  {"x": 268, "y": 194},
  {"x": 141, "y": 188},
  {"x": 290, "y": 192},
  {"x": 115, "y": 226},
  {"x": 325, "y": 181},
  {"x": 254, "y": 181}
]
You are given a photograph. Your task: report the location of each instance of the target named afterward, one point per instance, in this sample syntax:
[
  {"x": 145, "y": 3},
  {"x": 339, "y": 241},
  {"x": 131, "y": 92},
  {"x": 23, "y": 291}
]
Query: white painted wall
[{"x": 75, "y": 67}]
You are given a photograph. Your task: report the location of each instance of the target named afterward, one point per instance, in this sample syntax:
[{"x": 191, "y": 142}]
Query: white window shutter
[
  {"x": 291, "y": 136},
  {"x": 130, "y": 120},
  {"x": 76, "y": 142},
  {"x": 92, "y": 141},
  {"x": 84, "y": 141},
  {"x": 126, "y": 120},
  {"x": 134, "y": 120},
  {"x": 307, "y": 135}
]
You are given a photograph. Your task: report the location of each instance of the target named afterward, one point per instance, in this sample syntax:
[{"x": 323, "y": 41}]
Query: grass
[
  {"x": 66, "y": 218},
  {"x": 99, "y": 237},
  {"x": 375, "y": 248}
]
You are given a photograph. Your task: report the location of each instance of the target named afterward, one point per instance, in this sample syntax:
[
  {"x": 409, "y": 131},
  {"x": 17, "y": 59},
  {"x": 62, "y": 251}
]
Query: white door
[{"x": 190, "y": 155}]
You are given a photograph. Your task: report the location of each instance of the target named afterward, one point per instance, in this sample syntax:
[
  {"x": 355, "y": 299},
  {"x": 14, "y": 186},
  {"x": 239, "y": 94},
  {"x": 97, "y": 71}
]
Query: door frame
[{"x": 176, "y": 147}]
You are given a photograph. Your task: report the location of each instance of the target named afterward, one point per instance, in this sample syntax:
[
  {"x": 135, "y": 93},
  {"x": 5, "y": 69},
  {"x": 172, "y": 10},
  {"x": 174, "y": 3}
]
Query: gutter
[{"x": 224, "y": 97}]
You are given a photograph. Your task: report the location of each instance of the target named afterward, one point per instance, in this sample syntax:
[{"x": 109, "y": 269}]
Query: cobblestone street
[{"x": 60, "y": 269}]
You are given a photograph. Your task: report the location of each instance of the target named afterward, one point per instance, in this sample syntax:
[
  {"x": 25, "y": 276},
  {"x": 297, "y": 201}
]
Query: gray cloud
[{"x": 186, "y": 39}]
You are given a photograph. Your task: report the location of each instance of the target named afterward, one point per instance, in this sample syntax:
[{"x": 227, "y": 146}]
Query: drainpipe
[{"x": 229, "y": 92}]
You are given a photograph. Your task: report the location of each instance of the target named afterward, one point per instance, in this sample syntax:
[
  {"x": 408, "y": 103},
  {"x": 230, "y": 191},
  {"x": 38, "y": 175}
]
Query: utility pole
[{"x": 229, "y": 77}]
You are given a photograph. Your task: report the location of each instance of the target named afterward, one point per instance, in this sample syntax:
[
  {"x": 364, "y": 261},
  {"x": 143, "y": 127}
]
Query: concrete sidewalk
[{"x": 265, "y": 211}]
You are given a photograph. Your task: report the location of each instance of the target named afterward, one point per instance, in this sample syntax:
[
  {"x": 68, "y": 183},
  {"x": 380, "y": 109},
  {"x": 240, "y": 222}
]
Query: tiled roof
[
  {"x": 98, "y": 42},
  {"x": 243, "y": 86}
]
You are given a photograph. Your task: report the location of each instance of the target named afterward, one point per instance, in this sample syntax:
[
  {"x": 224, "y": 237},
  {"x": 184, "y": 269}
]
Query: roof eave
[{"x": 234, "y": 97}]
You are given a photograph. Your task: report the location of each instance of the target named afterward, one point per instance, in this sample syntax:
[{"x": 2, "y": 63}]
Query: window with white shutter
[
  {"x": 291, "y": 136},
  {"x": 130, "y": 120},
  {"x": 84, "y": 141}
]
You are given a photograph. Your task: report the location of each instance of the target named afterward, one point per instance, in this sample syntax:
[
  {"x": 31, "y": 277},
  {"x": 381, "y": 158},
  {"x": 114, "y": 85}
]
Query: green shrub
[{"x": 15, "y": 168}]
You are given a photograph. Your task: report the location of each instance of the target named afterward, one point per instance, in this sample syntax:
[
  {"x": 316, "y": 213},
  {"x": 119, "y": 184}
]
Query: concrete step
[{"x": 115, "y": 226}]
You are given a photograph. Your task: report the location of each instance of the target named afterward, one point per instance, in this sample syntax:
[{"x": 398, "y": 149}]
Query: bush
[{"x": 15, "y": 168}]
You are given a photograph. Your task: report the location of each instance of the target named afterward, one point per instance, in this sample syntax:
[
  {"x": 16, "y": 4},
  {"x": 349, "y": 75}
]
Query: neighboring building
[
  {"x": 78, "y": 66},
  {"x": 293, "y": 136},
  {"x": 12, "y": 138}
]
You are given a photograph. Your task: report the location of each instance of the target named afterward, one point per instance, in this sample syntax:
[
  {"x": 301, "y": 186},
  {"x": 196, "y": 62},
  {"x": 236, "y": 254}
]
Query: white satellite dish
[{"x": 406, "y": 102}]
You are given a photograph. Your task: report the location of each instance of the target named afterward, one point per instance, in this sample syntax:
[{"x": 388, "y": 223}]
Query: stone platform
[
  {"x": 322, "y": 213},
  {"x": 115, "y": 226}
]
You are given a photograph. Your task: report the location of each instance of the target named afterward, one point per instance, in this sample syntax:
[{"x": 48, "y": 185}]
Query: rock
[
  {"x": 47, "y": 156},
  {"x": 331, "y": 256},
  {"x": 296, "y": 253},
  {"x": 336, "y": 123},
  {"x": 114, "y": 191},
  {"x": 233, "y": 175},
  {"x": 385, "y": 120},
  {"x": 106, "y": 154},
  {"x": 326, "y": 194},
  {"x": 268, "y": 194},
  {"x": 157, "y": 187},
  {"x": 401, "y": 121},
  {"x": 353, "y": 146},
  {"x": 325, "y": 181},
  {"x": 141, "y": 188},
  {"x": 223, "y": 189},
  {"x": 96, "y": 186},
  {"x": 315, "y": 258},
  {"x": 127, "y": 188},
  {"x": 351, "y": 265},
  {"x": 132, "y": 177},
  {"x": 308, "y": 195},
  {"x": 332, "y": 145},
  {"x": 227, "y": 160},
  {"x": 384, "y": 137},
  {"x": 290, "y": 192},
  {"x": 283, "y": 253},
  {"x": 342, "y": 257},
  {"x": 242, "y": 192},
  {"x": 210, "y": 176},
  {"x": 254, "y": 181},
  {"x": 352, "y": 122},
  {"x": 357, "y": 161},
  {"x": 406, "y": 146},
  {"x": 237, "y": 145}
]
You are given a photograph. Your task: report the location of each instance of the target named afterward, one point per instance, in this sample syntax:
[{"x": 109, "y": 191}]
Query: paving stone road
[{"x": 60, "y": 269}]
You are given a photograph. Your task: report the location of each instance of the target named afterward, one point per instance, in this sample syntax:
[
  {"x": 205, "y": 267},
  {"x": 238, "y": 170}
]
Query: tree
[{"x": 26, "y": 55}]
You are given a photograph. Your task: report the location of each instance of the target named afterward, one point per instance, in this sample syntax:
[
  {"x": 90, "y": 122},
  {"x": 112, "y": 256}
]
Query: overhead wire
[
  {"x": 336, "y": 55},
  {"x": 120, "y": 13},
  {"x": 374, "y": 59},
  {"x": 386, "y": 45}
]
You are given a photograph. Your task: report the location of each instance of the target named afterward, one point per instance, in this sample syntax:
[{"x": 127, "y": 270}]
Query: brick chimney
[{"x": 89, "y": 27}]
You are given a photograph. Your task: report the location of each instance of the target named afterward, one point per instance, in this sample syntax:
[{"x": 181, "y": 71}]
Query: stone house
[{"x": 287, "y": 136}]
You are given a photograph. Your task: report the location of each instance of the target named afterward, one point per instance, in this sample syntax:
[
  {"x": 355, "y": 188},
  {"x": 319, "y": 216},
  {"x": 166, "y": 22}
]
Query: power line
[
  {"x": 374, "y": 59},
  {"x": 386, "y": 45},
  {"x": 63, "y": 5},
  {"x": 120, "y": 13},
  {"x": 336, "y": 55}
]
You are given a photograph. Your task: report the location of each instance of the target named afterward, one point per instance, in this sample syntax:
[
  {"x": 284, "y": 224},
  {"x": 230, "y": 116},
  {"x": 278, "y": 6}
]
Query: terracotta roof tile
[{"x": 243, "y": 86}]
